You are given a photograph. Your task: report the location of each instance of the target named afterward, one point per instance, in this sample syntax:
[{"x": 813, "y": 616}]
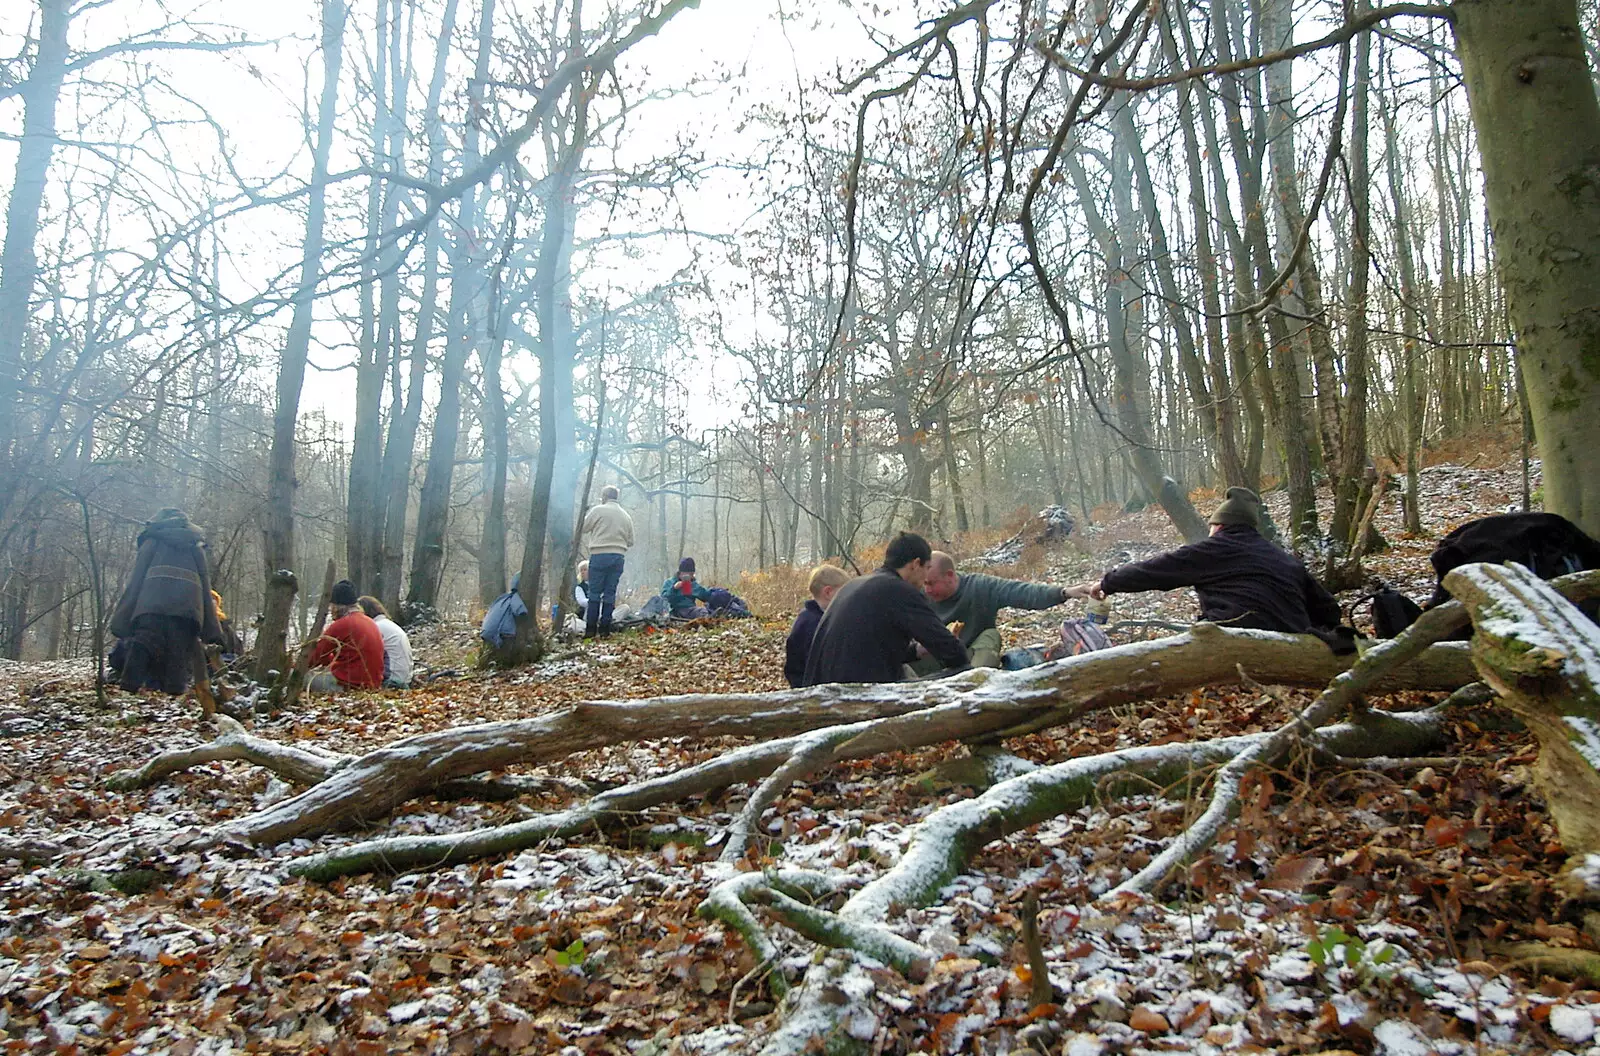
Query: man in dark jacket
[
  {"x": 1242, "y": 580},
  {"x": 166, "y": 608},
  {"x": 866, "y": 634},
  {"x": 974, "y": 601}
]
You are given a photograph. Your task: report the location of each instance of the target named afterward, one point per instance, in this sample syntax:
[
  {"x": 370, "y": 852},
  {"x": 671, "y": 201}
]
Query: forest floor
[{"x": 1347, "y": 910}]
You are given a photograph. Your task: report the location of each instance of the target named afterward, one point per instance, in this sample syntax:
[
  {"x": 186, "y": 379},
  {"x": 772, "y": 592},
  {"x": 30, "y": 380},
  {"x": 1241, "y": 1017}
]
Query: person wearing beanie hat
[
  {"x": 1241, "y": 579},
  {"x": 350, "y": 653},
  {"x": 1241, "y": 506},
  {"x": 165, "y": 610},
  {"x": 684, "y": 593}
]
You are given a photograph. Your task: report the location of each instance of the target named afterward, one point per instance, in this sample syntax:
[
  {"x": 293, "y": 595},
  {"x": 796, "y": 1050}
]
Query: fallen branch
[
  {"x": 977, "y": 714},
  {"x": 1433, "y": 626},
  {"x": 372, "y": 785},
  {"x": 299, "y": 764},
  {"x": 942, "y": 844}
]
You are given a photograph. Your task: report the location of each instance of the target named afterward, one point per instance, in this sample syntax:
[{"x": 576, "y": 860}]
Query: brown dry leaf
[{"x": 1148, "y": 1020}]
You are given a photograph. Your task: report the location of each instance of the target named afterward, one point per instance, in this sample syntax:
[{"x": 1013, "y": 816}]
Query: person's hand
[
  {"x": 1090, "y": 589},
  {"x": 1097, "y": 590},
  {"x": 920, "y": 650}
]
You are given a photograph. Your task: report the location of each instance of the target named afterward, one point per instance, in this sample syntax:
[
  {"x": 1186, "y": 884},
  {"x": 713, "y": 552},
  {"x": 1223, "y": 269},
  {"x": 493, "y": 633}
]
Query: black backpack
[
  {"x": 1392, "y": 612},
  {"x": 1548, "y": 544}
]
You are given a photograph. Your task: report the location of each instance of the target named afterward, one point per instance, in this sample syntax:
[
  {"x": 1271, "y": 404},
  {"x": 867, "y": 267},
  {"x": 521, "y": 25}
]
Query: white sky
[{"x": 258, "y": 96}]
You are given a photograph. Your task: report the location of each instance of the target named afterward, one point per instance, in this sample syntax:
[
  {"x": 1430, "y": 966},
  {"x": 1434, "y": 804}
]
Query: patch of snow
[
  {"x": 1399, "y": 1037},
  {"x": 1571, "y": 1024}
]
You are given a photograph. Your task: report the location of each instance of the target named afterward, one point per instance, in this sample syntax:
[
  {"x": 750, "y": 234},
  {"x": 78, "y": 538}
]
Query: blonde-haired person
[
  {"x": 608, "y": 531},
  {"x": 396, "y": 644},
  {"x": 824, "y": 583}
]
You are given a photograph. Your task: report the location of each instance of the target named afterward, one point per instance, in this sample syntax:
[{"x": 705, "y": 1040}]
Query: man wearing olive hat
[{"x": 1242, "y": 579}]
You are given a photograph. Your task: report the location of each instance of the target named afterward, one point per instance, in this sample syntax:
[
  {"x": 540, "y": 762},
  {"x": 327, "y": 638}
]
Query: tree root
[
  {"x": 299, "y": 764},
  {"x": 946, "y": 840},
  {"x": 1563, "y": 962}
]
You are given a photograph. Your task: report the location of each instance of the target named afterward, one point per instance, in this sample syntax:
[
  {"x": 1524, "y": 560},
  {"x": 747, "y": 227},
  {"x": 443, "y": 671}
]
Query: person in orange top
[{"x": 350, "y": 651}]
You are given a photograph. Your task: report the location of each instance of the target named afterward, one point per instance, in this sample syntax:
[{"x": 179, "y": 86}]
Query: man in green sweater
[{"x": 974, "y": 601}]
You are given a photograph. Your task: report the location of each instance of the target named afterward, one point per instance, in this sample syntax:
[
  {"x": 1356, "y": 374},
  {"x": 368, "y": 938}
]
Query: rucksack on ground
[{"x": 1547, "y": 544}]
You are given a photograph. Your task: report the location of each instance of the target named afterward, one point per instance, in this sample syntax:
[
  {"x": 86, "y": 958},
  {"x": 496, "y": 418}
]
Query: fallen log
[
  {"x": 372, "y": 785},
  {"x": 1542, "y": 656}
]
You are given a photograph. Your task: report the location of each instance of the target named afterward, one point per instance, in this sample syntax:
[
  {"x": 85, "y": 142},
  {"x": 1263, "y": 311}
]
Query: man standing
[
  {"x": 608, "y": 530},
  {"x": 974, "y": 601},
  {"x": 866, "y": 633},
  {"x": 1242, "y": 579}
]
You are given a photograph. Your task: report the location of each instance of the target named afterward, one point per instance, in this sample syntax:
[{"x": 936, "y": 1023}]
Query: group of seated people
[
  {"x": 917, "y": 616},
  {"x": 685, "y": 596},
  {"x": 362, "y": 648}
]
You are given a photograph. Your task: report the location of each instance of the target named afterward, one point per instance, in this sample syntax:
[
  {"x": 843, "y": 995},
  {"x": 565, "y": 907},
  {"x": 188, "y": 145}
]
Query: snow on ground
[{"x": 1314, "y": 926}]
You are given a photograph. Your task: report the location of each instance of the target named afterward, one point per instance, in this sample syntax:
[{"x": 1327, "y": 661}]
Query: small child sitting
[
  {"x": 684, "y": 594},
  {"x": 824, "y": 583}
]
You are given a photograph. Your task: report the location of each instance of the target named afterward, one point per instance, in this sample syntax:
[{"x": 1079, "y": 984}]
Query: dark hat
[
  {"x": 1242, "y": 506},
  {"x": 344, "y": 593},
  {"x": 686, "y": 565}
]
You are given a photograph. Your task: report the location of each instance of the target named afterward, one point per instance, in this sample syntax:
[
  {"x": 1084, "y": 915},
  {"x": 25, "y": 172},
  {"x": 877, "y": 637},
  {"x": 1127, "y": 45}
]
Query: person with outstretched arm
[
  {"x": 969, "y": 604},
  {"x": 1241, "y": 578},
  {"x": 866, "y": 634}
]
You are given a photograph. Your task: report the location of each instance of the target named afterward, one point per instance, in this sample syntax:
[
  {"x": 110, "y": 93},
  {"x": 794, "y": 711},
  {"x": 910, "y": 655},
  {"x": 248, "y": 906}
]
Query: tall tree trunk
[
  {"x": 1292, "y": 339},
  {"x": 551, "y": 286},
  {"x": 463, "y": 332},
  {"x": 372, "y": 358},
  {"x": 1352, "y": 462},
  {"x": 496, "y": 452},
  {"x": 406, "y": 420},
  {"x": 1130, "y": 409},
  {"x": 278, "y": 547},
  {"x": 1411, "y": 323},
  {"x": 1538, "y": 125},
  {"x": 19, "y": 262}
]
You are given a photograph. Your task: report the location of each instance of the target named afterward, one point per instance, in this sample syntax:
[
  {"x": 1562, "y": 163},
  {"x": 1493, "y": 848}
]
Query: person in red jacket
[{"x": 350, "y": 651}]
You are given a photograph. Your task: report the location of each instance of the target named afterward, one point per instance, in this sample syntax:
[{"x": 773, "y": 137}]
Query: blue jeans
[{"x": 605, "y": 572}]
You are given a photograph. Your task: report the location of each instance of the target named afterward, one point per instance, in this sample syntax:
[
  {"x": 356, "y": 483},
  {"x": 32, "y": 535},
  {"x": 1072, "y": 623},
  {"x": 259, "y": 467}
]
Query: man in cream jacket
[{"x": 608, "y": 531}]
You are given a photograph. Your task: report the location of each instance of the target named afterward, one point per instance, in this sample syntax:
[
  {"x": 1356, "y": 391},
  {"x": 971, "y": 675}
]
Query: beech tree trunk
[
  {"x": 19, "y": 263},
  {"x": 278, "y": 541},
  {"x": 1533, "y": 102}
]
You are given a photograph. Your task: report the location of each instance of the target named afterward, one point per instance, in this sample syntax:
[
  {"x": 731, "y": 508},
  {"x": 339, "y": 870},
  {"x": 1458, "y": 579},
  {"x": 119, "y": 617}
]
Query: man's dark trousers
[{"x": 605, "y": 572}]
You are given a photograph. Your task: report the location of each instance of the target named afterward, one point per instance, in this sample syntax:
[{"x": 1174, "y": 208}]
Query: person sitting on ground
[
  {"x": 866, "y": 633},
  {"x": 231, "y": 643},
  {"x": 349, "y": 655},
  {"x": 580, "y": 589},
  {"x": 974, "y": 600},
  {"x": 1242, "y": 579},
  {"x": 824, "y": 583},
  {"x": 684, "y": 593},
  {"x": 396, "y": 644},
  {"x": 166, "y": 609}
]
